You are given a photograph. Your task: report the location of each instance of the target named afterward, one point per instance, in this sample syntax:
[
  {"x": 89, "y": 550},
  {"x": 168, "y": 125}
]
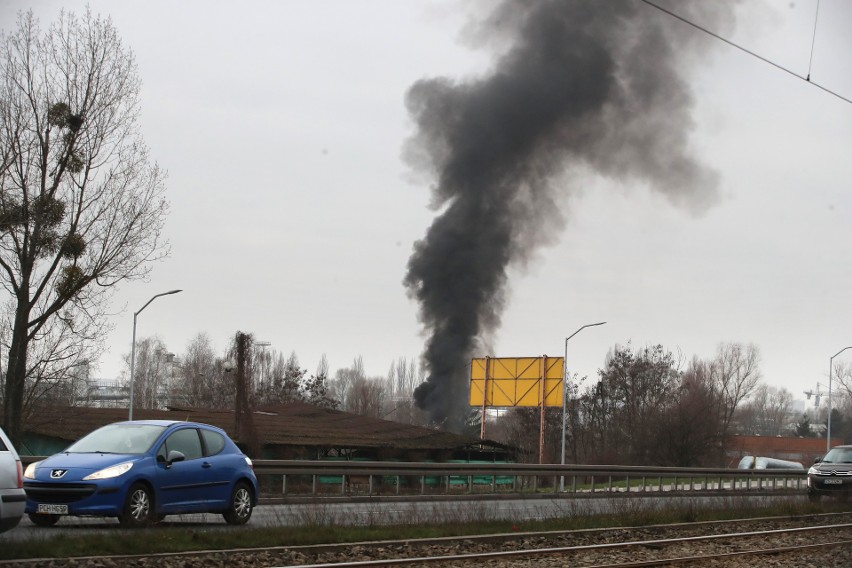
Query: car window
[
  {"x": 186, "y": 441},
  {"x": 119, "y": 438},
  {"x": 214, "y": 442}
]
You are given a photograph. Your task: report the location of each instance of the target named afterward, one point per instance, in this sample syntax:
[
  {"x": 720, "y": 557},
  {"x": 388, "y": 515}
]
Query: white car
[{"x": 13, "y": 500}]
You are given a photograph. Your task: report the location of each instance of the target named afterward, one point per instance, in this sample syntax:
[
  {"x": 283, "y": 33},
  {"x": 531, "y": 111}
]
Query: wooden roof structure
[{"x": 284, "y": 425}]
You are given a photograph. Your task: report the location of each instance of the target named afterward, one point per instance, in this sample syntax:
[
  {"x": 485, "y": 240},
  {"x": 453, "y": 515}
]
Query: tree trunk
[{"x": 16, "y": 374}]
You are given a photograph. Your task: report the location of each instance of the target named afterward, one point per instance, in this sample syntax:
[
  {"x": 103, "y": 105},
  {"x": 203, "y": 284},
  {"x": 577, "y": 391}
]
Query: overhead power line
[{"x": 807, "y": 78}]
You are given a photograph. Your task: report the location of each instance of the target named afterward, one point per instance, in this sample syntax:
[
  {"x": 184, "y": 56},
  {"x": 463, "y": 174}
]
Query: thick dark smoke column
[{"x": 588, "y": 84}]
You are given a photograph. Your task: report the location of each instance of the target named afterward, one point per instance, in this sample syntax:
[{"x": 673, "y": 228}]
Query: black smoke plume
[{"x": 580, "y": 85}]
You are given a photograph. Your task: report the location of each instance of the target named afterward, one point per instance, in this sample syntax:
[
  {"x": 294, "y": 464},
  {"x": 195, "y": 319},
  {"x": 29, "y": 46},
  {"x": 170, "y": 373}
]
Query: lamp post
[
  {"x": 830, "y": 369},
  {"x": 564, "y": 393},
  {"x": 133, "y": 347}
]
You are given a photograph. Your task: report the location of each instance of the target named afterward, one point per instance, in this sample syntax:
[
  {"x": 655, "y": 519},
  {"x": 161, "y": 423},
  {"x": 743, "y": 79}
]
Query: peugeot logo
[{"x": 57, "y": 473}]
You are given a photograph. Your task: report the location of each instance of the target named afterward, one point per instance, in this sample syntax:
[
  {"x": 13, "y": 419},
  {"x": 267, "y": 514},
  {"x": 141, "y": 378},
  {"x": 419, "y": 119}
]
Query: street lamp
[
  {"x": 564, "y": 394},
  {"x": 830, "y": 368},
  {"x": 133, "y": 347}
]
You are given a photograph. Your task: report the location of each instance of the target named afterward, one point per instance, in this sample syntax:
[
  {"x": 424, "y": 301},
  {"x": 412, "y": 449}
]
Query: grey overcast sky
[{"x": 293, "y": 214}]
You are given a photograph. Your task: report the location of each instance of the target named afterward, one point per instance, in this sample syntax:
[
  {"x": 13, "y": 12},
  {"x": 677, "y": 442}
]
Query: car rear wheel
[
  {"x": 138, "y": 507},
  {"x": 42, "y": 520},
  {"x": 239, "y": 509}
]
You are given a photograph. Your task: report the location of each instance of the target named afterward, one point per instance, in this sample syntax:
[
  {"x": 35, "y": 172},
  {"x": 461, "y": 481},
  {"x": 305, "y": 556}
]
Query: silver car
[{"x": 12, "y": 496}]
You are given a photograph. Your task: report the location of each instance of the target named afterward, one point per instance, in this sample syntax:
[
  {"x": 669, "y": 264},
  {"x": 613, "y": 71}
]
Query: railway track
[
  {"x": 658, "y": 552},
  {"x": 792, "y": 541}
]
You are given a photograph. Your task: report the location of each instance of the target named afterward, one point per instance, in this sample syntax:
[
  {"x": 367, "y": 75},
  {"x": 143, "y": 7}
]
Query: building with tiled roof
[{"x": 286, "y": 431}]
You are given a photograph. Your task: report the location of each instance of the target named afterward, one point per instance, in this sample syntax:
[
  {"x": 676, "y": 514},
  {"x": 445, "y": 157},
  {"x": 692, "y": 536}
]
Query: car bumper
[
  {"x": 12, "y": 505},
  {"x": 81, "y": 499},
  {"x": 825, "y": 486}
]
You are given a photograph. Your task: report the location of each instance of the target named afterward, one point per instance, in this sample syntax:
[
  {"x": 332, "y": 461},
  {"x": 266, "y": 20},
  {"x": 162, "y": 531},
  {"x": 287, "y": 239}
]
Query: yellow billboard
[{"x": 516, "y": 381}]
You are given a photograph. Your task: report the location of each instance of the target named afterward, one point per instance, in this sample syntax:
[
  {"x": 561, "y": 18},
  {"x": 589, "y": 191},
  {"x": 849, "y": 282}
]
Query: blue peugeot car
[{"x": 141, "y": 471}]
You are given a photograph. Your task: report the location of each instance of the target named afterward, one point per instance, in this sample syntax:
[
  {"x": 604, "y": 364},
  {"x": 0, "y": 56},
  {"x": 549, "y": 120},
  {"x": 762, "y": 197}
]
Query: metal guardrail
[{"x": 375, "y": 478}]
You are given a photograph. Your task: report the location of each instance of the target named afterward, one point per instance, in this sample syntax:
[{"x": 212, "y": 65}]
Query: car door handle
[{"x": 205, "y": 465}]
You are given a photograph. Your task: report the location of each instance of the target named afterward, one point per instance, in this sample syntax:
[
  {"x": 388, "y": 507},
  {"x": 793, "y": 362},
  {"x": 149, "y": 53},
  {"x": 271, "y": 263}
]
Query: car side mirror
[
  {"x": 174, "y": 456},
  {"x": 817, "y": 460}
]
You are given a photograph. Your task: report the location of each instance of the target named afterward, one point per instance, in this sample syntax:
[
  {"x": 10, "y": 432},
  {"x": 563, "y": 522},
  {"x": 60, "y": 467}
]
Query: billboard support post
[
  {"x": 484, "y": 400},
  {"x": 542, "y": 398}
]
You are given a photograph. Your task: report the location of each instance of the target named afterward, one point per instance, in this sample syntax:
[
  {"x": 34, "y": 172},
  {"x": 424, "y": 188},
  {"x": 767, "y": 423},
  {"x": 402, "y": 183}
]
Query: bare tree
[
  {"x": 151, "y": 374},
  {"x": 767, "y": 412},
  {"x": 68, "y": 385},
  {"x": 341, "y": 386},
  {"x": 81, "y": 205},
  {"x": 843, "y": 375},
  {"x": 263, "y": 361},
  {"x": 403, "y": 377},
  {"x": 736, "y": 373},
  {"x": 198, "y": 378},
  {"x": 357, "y": 393},
  {"x": 58, "y": 359},
  {"x": 366, "y": 397}
]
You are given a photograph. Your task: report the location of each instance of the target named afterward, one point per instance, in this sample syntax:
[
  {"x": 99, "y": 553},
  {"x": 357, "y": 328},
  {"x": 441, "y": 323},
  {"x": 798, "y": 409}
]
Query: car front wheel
[
  {"x": 137, "y": 507},
  {"x": 239, "y": 509},
  {"x": 42, "y": 520}
]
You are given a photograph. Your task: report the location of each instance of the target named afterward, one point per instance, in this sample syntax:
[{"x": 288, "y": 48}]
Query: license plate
[
  {"x": 52, "y": 509},
  {"x": 833, "y": 482}
]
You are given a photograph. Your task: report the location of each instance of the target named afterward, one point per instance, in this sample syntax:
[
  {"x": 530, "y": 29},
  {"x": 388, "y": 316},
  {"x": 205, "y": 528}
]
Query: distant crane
[{"x": 817, "y": 394}]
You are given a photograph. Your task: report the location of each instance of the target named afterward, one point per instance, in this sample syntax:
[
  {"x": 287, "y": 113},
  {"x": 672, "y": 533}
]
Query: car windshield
[
  {"x": 121, "y": 438},
  {"x": 838, "y": 455}
]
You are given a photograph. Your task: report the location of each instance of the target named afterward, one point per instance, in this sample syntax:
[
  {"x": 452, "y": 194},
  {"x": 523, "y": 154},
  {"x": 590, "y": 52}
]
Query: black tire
[
  {"x": 814, "y": 497},
  {"x": 42, "y": 520},
  {"x": 138, "y": 507},
  {"x": 240, "y": 507},
  {"x": 9, "y": 524}
]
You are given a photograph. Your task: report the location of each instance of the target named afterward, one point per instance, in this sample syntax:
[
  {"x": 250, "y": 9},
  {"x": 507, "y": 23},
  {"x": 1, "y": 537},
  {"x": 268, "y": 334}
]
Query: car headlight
[
  {"x": 29, "y": 473},
  {"x": 109, "y": 472},
  {"x": 812, "y": 471}
]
